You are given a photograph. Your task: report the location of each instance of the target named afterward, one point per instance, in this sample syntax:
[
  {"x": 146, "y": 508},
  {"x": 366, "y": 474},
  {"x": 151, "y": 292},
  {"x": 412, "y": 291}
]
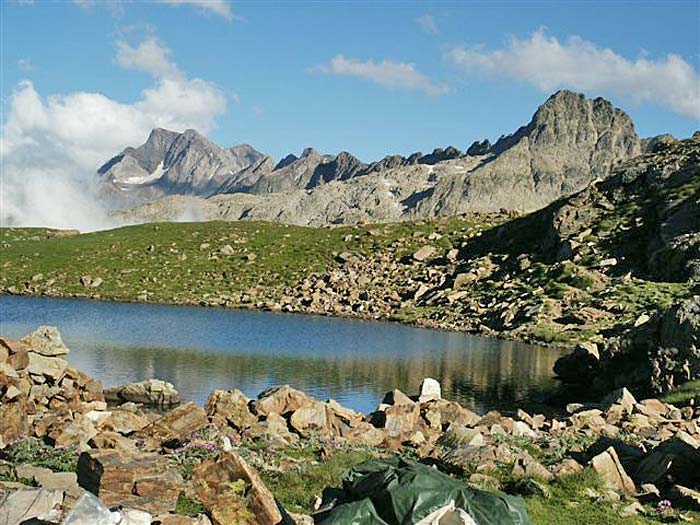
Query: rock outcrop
[{"x": 651, "y": 358}]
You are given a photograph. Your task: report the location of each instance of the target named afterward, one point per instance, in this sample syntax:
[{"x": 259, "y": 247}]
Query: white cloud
[
  {"x": 25, "y": 64},
  {"x": 150, "y": 56},
  {"x": 428, "y": 24},
  {"x": 217, "y": 7},
  {"x": 389, "y": 74},
  {"x": 548, "y": 64},
  {"x": 51, "y": 147}
]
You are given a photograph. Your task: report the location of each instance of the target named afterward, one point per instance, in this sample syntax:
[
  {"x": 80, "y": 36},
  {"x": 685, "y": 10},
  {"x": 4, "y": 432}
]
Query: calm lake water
[{"x": 354, "y": 362}]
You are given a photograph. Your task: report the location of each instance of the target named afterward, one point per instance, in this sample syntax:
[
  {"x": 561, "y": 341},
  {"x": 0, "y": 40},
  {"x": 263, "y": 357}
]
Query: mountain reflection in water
[{"x": 354, "y": 362}]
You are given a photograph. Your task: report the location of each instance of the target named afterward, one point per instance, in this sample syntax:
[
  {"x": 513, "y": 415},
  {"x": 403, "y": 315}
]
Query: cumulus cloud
[
  {"x": 150, "y": 56},
  {"x": 388, "y": 74},
  {"x": 217, "y": 7},
  {"x": 51, "y": 147},
  {"x": 548, "y": 64},
  {"x": 428, "y": 24}
]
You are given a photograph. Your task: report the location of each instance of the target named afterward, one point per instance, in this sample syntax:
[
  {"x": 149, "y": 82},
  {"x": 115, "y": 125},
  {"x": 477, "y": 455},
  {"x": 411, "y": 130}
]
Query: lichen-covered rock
[{"x": 229, "y": 409}]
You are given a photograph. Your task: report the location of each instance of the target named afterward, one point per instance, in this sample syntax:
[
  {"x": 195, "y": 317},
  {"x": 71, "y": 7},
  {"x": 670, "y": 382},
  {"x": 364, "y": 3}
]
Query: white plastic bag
[
  {"x": 89, "y": 510},
  {"x": 448, "y": 515}
]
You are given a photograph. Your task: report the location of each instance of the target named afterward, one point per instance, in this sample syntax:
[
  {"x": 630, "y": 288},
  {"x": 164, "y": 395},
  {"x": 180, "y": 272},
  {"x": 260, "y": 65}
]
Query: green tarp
[{"x": 399, "y": 492}]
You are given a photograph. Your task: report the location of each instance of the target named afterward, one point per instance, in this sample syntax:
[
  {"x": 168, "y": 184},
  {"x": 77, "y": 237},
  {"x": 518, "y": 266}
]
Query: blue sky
[{"x": 370, "y": 78}]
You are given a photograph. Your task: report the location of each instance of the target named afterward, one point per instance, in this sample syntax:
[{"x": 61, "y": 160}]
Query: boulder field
[{"x": 152, "y": 460}]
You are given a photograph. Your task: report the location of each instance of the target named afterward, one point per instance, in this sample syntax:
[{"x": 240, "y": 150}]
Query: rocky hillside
[
  {"x": 570, "y": 141},
  {"x": 580, "y": 270}
]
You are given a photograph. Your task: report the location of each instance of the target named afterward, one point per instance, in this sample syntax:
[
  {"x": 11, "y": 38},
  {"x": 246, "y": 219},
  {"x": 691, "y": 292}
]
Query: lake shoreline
[
  {"x": 344, "y": 358},
  {"x": 357, "y": 316}
]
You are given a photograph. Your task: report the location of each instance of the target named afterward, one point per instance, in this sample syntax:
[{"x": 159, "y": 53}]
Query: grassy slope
[
  {"x": 182, "y": 263},
  {"x": 146, "y": 261}
]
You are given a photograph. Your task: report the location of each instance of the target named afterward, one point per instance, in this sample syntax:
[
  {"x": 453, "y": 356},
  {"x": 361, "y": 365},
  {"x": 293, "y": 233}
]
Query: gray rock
[
  {"x": 46, "y": 340},
  {"x": 152, "y": 392},
  {"x": 25, "y": 505}
]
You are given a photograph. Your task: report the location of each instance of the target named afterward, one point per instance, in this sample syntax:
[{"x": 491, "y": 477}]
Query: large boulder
[
  {"x": 281, "y": 400},
  {"x": 229, "y": 409},
  {"x": 152, "y": 392},
  {"x": 46, "y": 340},
  {"x": 608, "y": 466},
  {"x": 142, "y": 481}
]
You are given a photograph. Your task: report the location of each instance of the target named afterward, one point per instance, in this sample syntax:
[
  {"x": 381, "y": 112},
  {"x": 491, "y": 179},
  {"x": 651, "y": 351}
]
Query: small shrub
[
  {"x": 35, "y": 452},
  {"x": 187, "y": 506}
]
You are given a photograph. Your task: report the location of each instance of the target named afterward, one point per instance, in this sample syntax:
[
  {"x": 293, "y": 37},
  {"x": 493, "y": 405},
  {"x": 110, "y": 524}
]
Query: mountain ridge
[{"x": 569, "y": 142}]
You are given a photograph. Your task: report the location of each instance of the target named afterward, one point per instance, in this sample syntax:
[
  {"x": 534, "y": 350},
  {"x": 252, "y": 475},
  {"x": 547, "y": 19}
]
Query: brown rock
[
  {"x": 310, "y": 417},
  {"x": 117, "y": 480},
  {"x": 568, "y": 467},
  {"x": 608, "y": 466},
  {"x": 281, "y": 400},
  {"x": 397, "y": 419},
  {"x": 177, "y": 425},
  {"x": 14, "y": 422},
  {"x": 229, "y": 409},
  {"x": 19, "y": 360},
  {"x": 123, "y": 421},
  {"x": 217, "y": 487},
  {"x": 74, "y": 433}
]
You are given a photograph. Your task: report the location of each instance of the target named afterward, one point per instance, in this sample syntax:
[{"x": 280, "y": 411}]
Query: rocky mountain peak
[
  {"x": 309, "y": 152},
  {"x": 286, "y": 161},
  {"x": 479, "y": 148},
  {"x": 440, "y": 154}
]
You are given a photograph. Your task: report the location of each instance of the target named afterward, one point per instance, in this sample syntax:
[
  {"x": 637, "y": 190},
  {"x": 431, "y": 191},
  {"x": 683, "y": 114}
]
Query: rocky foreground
[{"x": 152, "y": 460}]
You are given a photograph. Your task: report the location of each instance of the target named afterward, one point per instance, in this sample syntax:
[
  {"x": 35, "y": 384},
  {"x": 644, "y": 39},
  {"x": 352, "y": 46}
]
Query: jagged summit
[{"x": 570, "y": 141}]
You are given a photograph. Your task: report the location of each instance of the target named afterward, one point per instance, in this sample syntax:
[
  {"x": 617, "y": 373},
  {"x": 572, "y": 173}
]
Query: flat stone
[
  {"x": 177, "y": 425},
  {"x": 20, "y": 506},
  {"x": 50, "y": 367},
  {"x": 424, "y": 253},
  {"x": 152, "y": 392},
  {"x": 143, "y": 481}
]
